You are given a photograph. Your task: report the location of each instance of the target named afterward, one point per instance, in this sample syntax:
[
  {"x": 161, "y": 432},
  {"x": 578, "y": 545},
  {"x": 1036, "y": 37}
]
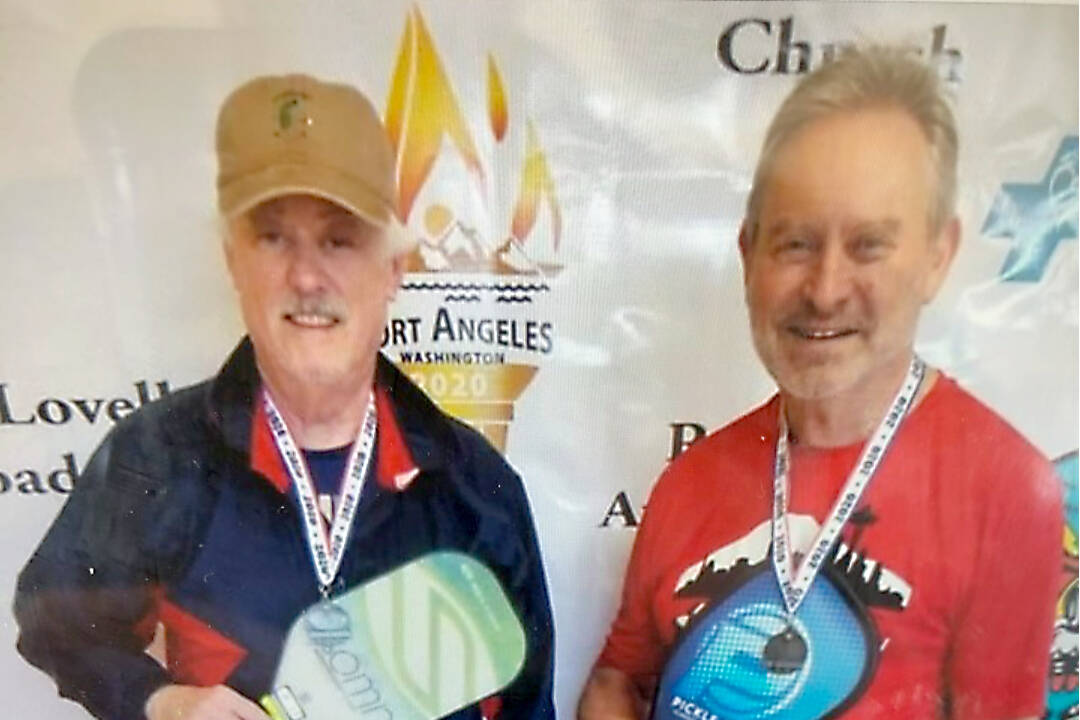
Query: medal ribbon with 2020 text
[
  {"x": 793, "y": 587},
  {"x": 327, "y": 545}
]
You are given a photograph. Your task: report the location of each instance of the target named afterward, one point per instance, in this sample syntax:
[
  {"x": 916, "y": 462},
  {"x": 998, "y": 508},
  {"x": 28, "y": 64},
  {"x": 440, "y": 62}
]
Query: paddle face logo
[
  {"x": 748, "y": 687},
  {"x": 731, "y": 676},
  {"x": 329, "y": 629},
  {"x": 740, "y": 657},
  {"x": 419, "y": 642},
  {"x": 475, "y": 187},
  {"x": 444, "y": 625}
]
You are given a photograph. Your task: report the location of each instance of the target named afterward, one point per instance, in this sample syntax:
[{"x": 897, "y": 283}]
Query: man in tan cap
[{"x": 196, "y": 514}]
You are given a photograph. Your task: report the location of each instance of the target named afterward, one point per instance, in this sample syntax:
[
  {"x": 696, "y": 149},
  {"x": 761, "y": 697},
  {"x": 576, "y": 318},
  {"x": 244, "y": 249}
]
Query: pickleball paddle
[
  {"x": 416, "y": 643},
  {"x": 744, "y": 658}
]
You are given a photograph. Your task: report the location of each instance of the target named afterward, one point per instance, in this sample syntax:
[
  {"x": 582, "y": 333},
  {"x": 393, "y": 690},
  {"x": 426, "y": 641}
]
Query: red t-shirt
[{"x": 953, "y": 555}]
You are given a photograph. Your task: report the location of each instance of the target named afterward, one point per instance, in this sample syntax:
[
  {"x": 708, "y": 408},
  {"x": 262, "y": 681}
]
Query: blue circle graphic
[{"x": 718, "y": 671}]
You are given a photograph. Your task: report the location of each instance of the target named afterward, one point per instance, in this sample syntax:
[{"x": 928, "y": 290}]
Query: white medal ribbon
[
  {"x": 327, "y": 549},
  {"x": 794, "y": 590}
]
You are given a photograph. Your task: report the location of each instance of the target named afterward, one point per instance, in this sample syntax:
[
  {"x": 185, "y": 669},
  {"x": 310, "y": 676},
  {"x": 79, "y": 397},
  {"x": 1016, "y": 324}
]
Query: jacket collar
[{"x": 411, "y": 430}]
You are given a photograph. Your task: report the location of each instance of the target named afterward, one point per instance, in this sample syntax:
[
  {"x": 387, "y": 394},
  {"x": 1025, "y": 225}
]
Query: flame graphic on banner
[
  {"x": 536, "y": 184},
  {"x": 452, "y": 196},
  {"x": 497, "y": 109},
  {"x": 422, "y": 109}
]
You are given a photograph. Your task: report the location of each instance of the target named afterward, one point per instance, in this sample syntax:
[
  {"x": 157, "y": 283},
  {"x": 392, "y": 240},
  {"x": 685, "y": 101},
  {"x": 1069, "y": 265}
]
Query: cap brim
[{"x": 244, "y": 193}]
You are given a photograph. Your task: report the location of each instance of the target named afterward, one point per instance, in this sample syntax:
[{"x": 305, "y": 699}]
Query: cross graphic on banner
[{"x": 1036, "y": 216}]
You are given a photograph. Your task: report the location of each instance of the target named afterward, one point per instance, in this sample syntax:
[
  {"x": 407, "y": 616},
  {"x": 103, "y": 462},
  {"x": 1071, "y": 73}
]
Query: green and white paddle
[{"x": 417, "y": 643}]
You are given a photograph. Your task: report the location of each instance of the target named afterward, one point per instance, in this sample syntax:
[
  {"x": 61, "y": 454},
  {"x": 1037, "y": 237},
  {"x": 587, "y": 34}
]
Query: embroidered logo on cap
[{"x": 292, "y": 115}]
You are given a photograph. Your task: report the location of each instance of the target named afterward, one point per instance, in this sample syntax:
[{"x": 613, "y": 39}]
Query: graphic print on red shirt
[
  {"x": 721, "y": 661},
  {"x": 941, "y": 567}
]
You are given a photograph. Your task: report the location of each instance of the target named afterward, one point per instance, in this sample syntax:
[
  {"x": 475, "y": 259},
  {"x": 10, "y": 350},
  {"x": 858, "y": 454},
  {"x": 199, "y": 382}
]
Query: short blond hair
[{"x": 868, "y": 77}]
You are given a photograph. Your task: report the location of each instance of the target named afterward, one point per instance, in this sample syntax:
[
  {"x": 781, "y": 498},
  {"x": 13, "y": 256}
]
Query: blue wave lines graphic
[{"x": 477, "y": 287}]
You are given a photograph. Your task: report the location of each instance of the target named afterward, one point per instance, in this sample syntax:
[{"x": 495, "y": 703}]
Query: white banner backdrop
[{"x": 577, "y": 171}]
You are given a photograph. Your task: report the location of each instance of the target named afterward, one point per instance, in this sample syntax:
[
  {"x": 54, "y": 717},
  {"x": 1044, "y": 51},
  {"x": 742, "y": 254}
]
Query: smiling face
[
  {"x": 314, "y": 283},
  {"x": 843, "y": 256}
]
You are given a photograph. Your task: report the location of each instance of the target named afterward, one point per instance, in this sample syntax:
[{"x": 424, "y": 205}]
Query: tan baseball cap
[{"x": 283, "y": 135}]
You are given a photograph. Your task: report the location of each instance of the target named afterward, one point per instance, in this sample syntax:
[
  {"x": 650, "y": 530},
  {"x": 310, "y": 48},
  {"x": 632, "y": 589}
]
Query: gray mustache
[{"x": 314, "y": 306}]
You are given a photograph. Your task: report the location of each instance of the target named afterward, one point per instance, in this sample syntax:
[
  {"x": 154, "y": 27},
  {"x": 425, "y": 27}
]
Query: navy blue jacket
[{"x": 185, "y": 517}]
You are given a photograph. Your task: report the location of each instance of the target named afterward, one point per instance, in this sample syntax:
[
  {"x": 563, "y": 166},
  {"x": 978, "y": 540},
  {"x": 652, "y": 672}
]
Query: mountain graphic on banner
[{"x": 447, "y": 194}]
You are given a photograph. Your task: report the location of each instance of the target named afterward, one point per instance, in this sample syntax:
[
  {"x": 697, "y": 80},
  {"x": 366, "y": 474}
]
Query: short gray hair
[
  {"x": 868, "y": 77},
  {"x": 398, "y": 238}
]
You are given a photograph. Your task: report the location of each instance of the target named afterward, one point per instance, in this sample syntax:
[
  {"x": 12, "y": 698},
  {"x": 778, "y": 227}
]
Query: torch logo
[{"x": 475, "y": 187}]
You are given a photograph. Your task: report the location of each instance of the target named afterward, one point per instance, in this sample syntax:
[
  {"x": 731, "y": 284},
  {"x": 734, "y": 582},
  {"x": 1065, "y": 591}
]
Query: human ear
[{"x": 943, "y": 247}]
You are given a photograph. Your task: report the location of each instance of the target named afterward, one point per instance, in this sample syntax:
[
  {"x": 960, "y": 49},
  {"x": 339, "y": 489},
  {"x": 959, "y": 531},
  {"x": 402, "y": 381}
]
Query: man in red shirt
[{"x": 873, "y": 541}]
